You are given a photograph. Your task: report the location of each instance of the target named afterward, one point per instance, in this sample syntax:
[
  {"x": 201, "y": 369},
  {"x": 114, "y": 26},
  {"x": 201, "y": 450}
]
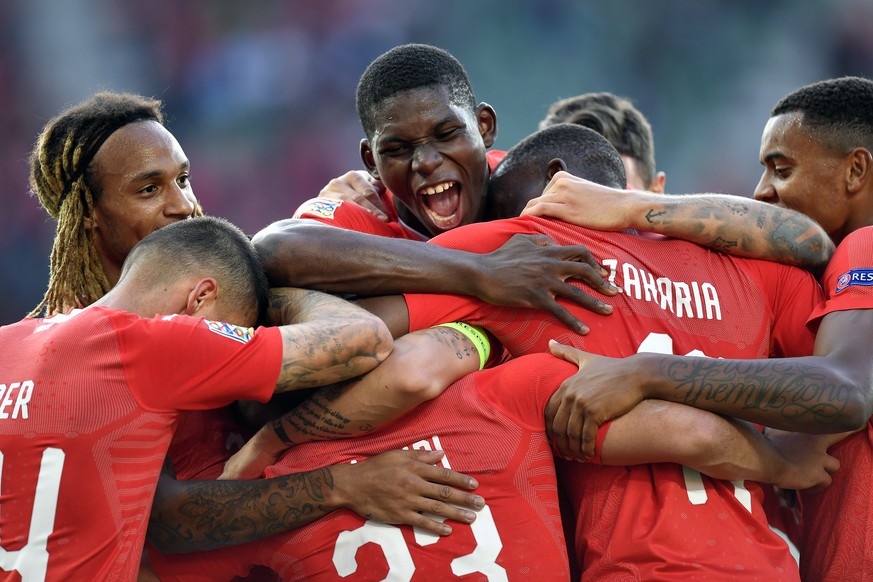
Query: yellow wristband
[{"x": 477, "y": 335}]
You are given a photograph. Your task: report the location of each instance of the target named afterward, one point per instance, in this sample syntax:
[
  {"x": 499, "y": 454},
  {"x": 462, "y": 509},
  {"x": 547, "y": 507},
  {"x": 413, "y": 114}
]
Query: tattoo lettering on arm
[
  {"x": 313, "y": 418},
  {"x": 771, "y": 392}
]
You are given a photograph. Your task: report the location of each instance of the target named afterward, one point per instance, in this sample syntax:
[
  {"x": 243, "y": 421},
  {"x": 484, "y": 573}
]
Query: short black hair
[
  {"x": 587, "y": 154},
  {"x": 838, "y": 111},
  {"x": 616, "y": 119},
  {"x": 212, "y": 244},
  {"x": 407, "y": 67}
]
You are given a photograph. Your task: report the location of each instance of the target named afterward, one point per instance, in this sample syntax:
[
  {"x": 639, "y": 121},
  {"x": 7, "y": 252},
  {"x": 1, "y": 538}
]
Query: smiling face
[
  {"x": 142, "y": 176},
  {"x": 799, "y": 173},
  {"x": 430, "y": 153}
]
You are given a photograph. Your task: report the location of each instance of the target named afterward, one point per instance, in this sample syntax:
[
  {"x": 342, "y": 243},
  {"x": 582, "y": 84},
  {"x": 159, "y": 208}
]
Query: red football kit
[
  {"x": 88, "y": 403},
  {"x": 656, "y": 521},
  {"x": 837, "y": 543},
  {"x": 490, "y": 425},
  {"x": 350, "y": 216}
]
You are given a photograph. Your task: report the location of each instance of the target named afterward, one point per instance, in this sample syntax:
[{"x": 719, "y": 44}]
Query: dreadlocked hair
[{"x": 67, "y": 187}]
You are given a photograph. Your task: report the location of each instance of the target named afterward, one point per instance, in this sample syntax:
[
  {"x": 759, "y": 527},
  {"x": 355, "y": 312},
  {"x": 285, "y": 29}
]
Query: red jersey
[
  {"x": 203, "y": 442},
  {"x": 837, "y": 543},
  {"x": 88, "y": 403},
  {"x": 677, "y": 298},
  {"x": 350, "y": 216},
  {"x": 491, "y": 427}
]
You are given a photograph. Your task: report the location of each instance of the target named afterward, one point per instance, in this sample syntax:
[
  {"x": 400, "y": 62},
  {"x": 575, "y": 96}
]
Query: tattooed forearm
[
  {"x": 331, "y": 350},
  {"x": 763, "y": 390},
  {"x": 205, "y": 515},
  {"x": 314, "y": 419},
  {"x": 743, "y": 227}
]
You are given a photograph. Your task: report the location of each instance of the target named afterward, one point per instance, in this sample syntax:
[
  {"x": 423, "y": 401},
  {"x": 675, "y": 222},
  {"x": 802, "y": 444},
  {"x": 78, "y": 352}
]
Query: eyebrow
[
  {"x": 148, "y": 175},
  {"x": 449, "y": 118},
  {"x": 774, "y": 155}
]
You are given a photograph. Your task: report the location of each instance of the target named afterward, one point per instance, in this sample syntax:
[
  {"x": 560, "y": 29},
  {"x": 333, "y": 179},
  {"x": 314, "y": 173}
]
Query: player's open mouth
[{"x": 442, "y": 203}]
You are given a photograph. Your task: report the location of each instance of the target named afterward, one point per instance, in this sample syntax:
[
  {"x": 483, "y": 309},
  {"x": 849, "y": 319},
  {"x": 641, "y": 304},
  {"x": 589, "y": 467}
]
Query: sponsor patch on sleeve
[
  {"x": 862, "y": 277},
  {"x": 234, "y": 332},
  {"x": 320, "y": 207}
]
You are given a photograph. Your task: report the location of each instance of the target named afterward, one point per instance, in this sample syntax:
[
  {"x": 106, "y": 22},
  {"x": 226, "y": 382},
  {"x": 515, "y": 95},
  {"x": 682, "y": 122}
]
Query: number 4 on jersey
[{"x": 31, "y": 561}]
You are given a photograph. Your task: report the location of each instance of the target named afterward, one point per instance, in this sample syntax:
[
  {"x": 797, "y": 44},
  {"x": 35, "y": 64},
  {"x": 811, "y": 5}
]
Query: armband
[{"x": 477, "y": 335}]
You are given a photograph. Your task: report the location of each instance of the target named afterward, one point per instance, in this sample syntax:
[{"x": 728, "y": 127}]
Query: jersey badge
[
  {"x": 320, "y": 207},
  {"x": 863, "y": 277},
  {"x": 234, "y": 332}
]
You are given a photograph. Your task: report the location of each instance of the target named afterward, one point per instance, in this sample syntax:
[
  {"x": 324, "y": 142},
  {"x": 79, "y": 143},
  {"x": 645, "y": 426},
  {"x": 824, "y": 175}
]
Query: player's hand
[
  {"x": 580, "y": 201},
  {"x": 358, "y": 187},
  {"x": 586, "y": 400},
  {"x": 405, "y": 487},
  {"x": 532, "y": 270},
  {"x": 807, "y": 463},
  {"x": 257, "y": 454}
]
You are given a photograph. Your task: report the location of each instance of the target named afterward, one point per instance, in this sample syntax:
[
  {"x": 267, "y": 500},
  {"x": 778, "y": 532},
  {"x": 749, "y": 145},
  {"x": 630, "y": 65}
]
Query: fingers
[
  {"x": 832, "y": 464},
  {"x": 559, "y": 414},
  {"x": 442, "y": 475},
  {"x": 580, "y": 297},
  {"x": 564, "y": 316},
  {"x": 567, "y": 353},
  {"x": 540, "y": 240},
  {"x": 358, "y": 187},
  {"x": 588, "y": 439},
  {"x": 441, "y": 497}
]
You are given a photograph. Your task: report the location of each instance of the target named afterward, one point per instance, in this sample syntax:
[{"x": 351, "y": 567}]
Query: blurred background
[{"x": 261, "y": 94}]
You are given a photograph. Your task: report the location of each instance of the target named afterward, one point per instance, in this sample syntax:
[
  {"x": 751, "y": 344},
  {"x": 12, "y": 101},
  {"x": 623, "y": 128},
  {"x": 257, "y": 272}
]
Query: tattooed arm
[
  {"x": 325, "y": 339},
  {"x": 394, "y": 487},
  {"x": 731, "y": 224},
  {"x": 828, "y": 392},
  {"x": 422, "y": 365}
]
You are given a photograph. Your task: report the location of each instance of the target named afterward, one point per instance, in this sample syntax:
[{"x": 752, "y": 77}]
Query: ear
[
  {"x": 368, "y": 158},
  {"x": 860, "y": 163},
  {"x": 202, "y": 296},
  {"x": 486, "y": 118},
  {"x": 555, "y": 166},
  {"x": 658, "y": 183}
]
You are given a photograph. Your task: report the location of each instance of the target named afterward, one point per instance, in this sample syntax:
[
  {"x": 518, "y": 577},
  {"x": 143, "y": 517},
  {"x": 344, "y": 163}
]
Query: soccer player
[
  {"x": 91, "y": 395},
  {"x": 426, "y": 141},
  {"x": 315, "y": 556},
  {"x": 817, "y": 153},
  {"x": 111, "y": 173},
  {"x": 677, "y": 297}
]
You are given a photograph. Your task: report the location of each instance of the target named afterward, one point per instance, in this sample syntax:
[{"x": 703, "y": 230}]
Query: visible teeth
[{"x": 438, "y": 188}]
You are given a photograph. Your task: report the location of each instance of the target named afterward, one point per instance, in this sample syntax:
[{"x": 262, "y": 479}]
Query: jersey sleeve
[
  {"x": 792, "y": 295},
  {"x": 187, "y": 363},
  {"x": 848, "y": 279},
  {"x": 522, "y": 387},
  {"x": 350, "y": 216},
  {"x": 426, "y": 309}
]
